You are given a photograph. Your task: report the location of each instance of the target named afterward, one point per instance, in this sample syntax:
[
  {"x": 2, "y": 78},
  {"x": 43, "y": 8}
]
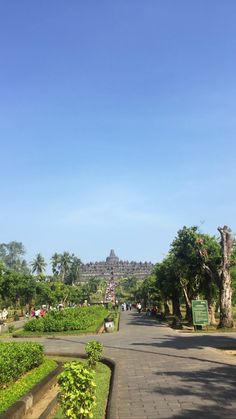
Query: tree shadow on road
[
  {"x": 183, "y": 342},
  {"x": 208, "y": 393},
  {"x": 143, "y": 319}
]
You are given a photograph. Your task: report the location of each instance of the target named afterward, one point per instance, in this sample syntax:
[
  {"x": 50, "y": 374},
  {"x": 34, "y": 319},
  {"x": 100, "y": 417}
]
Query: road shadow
[
  {"x": 190, "y": 342},
  {"x": 210, "y": 392},
  {"x": 136, "y": 319}
]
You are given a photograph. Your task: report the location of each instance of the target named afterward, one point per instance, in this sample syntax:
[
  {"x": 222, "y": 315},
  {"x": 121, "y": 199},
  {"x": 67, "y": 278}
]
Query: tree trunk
[
  {"x": 210, "y": 298},
  {"x": 211, "y": 312},
  {"x": 226, "y": 318},
  {"x": 176, "y": 304},
  {"x": 188, "y": 306},
  {"x": 166, "y": 309}
]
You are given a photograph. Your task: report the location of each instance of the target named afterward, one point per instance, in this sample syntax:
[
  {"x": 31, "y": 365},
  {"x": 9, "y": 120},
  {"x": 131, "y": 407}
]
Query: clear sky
[{"x": 117, "y": 124}]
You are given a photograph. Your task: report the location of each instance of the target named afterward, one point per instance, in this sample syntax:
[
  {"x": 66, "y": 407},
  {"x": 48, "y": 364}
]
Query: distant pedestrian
[
  {"x": 37, "y": 313},
  {"x": 4, "y": 314},
  {"x": 130, "y": 306},
  {"x": 139, "y": 307}
]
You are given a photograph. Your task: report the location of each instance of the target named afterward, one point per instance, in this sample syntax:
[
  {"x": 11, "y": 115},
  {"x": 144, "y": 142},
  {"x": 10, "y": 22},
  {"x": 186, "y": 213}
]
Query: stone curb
[{"x": 21, "y": 407}]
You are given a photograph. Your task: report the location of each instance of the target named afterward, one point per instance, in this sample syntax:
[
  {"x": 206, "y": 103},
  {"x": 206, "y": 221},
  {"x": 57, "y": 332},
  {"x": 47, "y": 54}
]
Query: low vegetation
[
  {"x": 18, "y": 358},
  {"x": 101, "y": 379},
  {"x": 94, "y": 351},
  {"x": 79, "y": 319},
  {"x": 77, "y": 390},
  {"x": 22, "y": 366}
]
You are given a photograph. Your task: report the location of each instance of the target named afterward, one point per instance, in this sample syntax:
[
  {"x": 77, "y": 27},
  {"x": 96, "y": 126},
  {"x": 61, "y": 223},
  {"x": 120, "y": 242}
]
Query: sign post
[{"x": 200, "y": 312}]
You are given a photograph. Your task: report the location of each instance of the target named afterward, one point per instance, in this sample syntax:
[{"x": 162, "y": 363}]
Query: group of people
[
  {"x": 126, "y": 306},
  {"x": 152, "y": 311},
  {"x": 38, "y": 312},
  {"x": 110, "y": 291}
]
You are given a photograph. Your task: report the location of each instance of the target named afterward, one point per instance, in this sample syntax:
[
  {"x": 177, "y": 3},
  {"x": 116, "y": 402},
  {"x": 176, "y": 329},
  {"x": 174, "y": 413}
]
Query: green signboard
[{"x": 200, "y": 312}]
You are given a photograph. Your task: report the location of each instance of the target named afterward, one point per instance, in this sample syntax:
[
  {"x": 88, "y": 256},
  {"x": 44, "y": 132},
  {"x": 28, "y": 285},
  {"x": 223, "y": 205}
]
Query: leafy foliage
[
  {"x": 19, "y": 388},
  {"x": 38, "y": 264},
  {"x": 80, "y": 318},
  {"x": 94, "y": 351},
  {"x": 11, "y": 254},
  {"x": 77, "y": 394},
  {"x": 18, "y": 358}
]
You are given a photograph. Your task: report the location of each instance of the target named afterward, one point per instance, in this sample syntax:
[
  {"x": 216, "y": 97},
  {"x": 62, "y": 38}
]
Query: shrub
[
  {"x": 35, "y": 325},
  {"x": 77, "y": 391},
  {"x": 94, "y": 351},
  {"x": 81, "y": 318},
  {"x": 18, "y": 358},
  {"x": 11, "y": 328},
  {"x": 20, "y": 387}
]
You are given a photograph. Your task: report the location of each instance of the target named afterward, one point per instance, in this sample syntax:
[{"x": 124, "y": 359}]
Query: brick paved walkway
[{"x": 164, "y": 374}]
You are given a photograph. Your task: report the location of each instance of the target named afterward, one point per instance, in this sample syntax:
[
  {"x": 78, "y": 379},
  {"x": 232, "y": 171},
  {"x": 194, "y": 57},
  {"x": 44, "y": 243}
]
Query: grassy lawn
[
  {"x": 102, "y": 380},
  {"x": 19, "y": 388},
  {"x": 25, "y": 333}
]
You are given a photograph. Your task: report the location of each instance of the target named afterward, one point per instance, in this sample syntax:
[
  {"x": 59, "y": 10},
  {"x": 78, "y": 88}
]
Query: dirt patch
[
  {"x": 230, "y": 351},
  {"x": 42, "y": 404}
]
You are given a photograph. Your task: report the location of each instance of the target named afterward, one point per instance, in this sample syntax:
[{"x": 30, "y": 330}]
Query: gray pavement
[{"x": 161, "y": 373}]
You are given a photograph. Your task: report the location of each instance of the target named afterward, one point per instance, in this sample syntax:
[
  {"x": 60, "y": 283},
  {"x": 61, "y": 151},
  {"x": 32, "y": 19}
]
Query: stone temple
[{"x": 114, "y": 268}]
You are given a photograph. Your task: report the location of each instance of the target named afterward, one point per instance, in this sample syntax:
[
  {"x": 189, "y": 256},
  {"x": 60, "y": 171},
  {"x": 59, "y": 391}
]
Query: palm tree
[
  {"x": 55, "y": 262},
  {"x": 38, "y": 264},
  {"x": 65, "y": 265},
  {"x": 74, "y": 272}
]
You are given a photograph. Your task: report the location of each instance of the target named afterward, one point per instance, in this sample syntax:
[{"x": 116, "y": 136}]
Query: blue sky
[{"x": 117, "y": 124}]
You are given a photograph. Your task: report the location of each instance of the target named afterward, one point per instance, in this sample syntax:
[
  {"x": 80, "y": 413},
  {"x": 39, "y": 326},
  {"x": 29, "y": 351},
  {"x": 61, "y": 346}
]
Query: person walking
[
  {"x": 4, "y": 314},
  {"x": 139, "y": 307}
]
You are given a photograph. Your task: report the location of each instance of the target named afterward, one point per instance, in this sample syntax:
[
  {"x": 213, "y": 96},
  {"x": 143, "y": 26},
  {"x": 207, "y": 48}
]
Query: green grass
[
  {"x": 117, "y": 320},
  {"x": 19, "y": 388},
  {"x": 102, "y": 380},
  {"x": 6, "y": 335},
  {"x": 212, "y": 329}
]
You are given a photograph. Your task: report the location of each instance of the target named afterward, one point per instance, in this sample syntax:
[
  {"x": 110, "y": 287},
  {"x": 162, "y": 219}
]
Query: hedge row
[
  {"x": 80, "y": 318},
  {"x": 18, "y": 358}
]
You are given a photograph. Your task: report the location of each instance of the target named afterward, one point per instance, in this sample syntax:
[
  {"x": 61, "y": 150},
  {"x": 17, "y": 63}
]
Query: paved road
[{"x": 162, "y": 373}]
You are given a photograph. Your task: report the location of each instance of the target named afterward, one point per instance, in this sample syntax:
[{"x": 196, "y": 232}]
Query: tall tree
[
  {"x": 168, "y": 281},
  {"x": 12, "y": 255},
  {"x": 55, "y": 262},
  {"x": 38, "y": 264},
  {"x": 187, "y": 265},
  {"x": 227, "y": 247},
  {"x": 74, "y": 271},
  {"x": 65, "y": 265}
]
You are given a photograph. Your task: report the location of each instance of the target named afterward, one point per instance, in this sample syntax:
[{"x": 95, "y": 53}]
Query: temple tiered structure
[{"x": 115, "y": 268}]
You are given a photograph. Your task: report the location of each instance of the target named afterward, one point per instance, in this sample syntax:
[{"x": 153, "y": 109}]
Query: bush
[
  {"x": 20, "y": 387},
  {"x": 35, "y": 325},
  {"x": 81, "y": 318},
  {"x": 94, "y": 351},
  {"x": 11, "y": 328},
  {"x": 77, "y": 391},
  {"x": 18, "y": 358}
]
